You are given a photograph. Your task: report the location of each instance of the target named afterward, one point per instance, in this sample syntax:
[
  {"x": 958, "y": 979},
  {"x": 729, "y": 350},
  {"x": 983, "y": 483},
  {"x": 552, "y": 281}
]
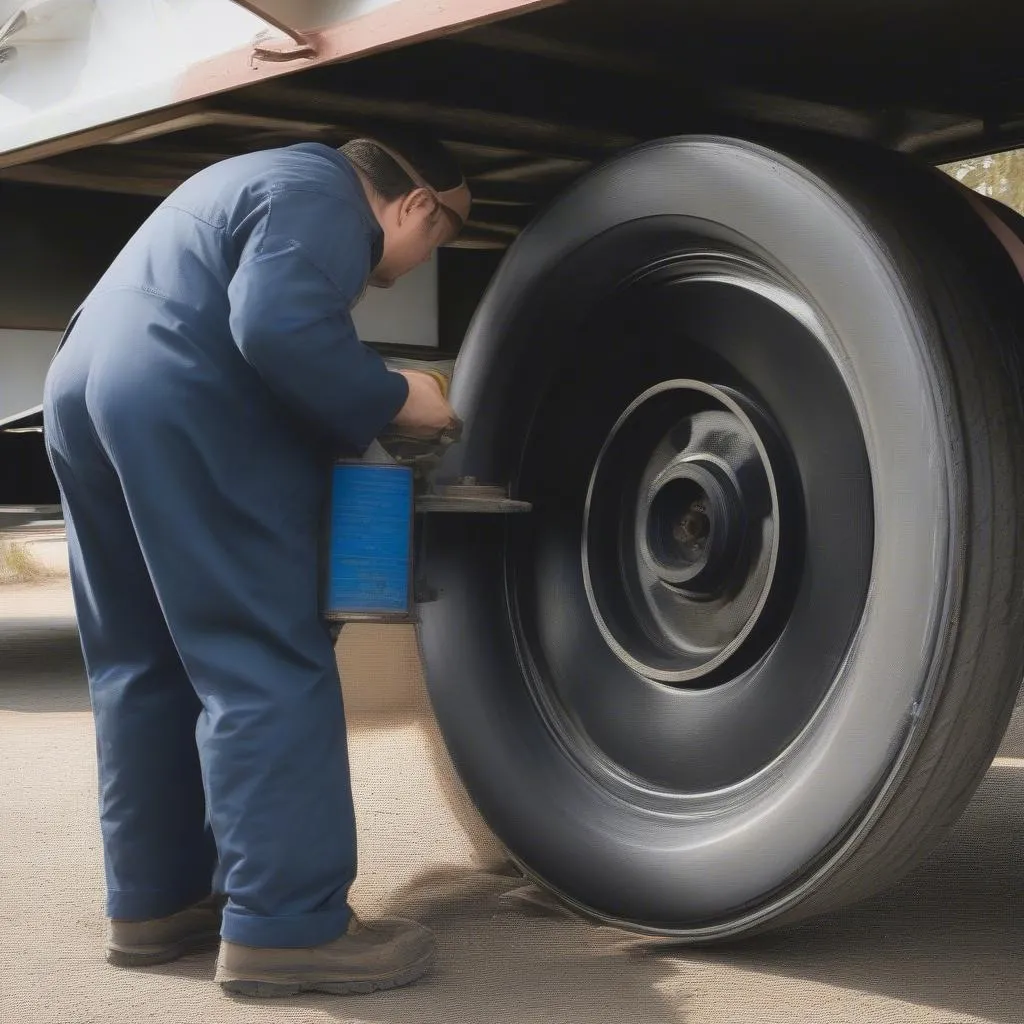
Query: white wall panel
[{"x": 405, "y": 314}]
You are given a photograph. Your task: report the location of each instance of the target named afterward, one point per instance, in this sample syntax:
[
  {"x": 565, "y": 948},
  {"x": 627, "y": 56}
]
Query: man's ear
[{"x": 417, "y": 199}]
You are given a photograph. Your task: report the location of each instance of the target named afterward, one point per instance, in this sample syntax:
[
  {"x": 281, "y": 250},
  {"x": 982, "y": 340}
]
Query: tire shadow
[
  {"x": 950, "y": 936},
  {"x": 508, "y": 954},
  {"x": 504, "y": 957}
]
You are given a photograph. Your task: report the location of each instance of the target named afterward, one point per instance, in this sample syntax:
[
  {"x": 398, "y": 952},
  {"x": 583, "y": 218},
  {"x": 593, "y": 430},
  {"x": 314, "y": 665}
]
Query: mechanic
[{"x": 191, "y": 414}]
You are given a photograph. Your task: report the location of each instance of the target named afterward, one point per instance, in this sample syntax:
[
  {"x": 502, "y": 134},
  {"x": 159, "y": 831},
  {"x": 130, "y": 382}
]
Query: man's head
[{"x": 418, "y": 195}]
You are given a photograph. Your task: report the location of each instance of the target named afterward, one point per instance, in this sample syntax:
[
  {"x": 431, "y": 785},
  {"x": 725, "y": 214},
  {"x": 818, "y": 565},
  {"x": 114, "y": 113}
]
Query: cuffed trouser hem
[
  {"x": 294, "y": 932},
  {"x": 150, "y": 904}
]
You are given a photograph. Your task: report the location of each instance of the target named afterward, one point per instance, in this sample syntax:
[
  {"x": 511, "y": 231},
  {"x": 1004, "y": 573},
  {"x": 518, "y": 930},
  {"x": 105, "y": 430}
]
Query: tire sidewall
[{"x": 883, "y": 342}]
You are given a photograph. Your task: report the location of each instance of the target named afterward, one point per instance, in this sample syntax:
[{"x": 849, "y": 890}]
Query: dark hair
[{"x": 434, "y": 164}]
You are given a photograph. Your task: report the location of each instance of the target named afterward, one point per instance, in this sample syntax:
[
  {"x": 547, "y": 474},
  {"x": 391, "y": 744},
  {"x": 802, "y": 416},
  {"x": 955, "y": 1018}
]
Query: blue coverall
[{"x": 191, "y": 416}]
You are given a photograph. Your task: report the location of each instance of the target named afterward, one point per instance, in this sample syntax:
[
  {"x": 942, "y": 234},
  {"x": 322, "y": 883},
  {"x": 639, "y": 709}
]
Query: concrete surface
[{"x": 943, "y": 946}]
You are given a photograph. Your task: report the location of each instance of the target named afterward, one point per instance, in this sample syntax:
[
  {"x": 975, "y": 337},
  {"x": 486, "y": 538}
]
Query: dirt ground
[{"x": 945, "y": 945}]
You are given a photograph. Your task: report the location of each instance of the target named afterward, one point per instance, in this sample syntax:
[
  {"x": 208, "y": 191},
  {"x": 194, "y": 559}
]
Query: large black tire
[{"x": 840, "y": 335}]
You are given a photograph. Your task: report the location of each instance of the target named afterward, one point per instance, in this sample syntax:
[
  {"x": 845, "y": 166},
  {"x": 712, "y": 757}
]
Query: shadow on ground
[
  {"x": 949, "y": 936},
  {"x": 41, "y": 669},
  {"x": 949, "y": 939},
  {"x": 502, "y": 958}
]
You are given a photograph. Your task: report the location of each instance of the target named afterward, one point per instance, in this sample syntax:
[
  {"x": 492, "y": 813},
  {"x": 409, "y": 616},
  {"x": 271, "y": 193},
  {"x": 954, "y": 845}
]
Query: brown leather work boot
[
  {"x": 142, "y": 943},
  {"x": 368, "y": 957}
]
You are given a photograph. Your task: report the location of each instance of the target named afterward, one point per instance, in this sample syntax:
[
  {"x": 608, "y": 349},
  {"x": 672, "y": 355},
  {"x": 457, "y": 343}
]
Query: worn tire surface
[{"x": 920, "y": 310}]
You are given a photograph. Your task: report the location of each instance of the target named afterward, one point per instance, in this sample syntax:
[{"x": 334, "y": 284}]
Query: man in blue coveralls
[{"x": 191, "y": 415}]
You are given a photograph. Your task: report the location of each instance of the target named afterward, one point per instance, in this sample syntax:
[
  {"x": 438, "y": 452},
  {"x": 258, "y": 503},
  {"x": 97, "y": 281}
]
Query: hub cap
[{"x": 682, "y": 535}]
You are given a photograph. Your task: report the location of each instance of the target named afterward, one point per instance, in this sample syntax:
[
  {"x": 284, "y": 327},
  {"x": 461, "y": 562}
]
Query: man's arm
[{"x": 304, "y": 262}]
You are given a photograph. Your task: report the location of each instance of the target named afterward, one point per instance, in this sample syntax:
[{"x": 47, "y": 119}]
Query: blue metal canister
[{"x": 367, "y": 571}]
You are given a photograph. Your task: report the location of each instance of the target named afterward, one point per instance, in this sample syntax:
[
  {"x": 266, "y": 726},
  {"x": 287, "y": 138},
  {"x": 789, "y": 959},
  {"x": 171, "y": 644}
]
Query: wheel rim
[
  {"x": 678, "y": 674},
  {"x": 679, "y": 576}
]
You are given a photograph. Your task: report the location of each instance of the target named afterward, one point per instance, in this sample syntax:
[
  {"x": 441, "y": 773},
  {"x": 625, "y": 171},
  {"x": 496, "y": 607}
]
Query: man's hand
[{"x": 426, "y": 411}]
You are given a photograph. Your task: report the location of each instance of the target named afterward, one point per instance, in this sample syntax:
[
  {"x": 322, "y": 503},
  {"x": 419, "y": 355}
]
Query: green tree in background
[{"x": 1000, "y": 176}]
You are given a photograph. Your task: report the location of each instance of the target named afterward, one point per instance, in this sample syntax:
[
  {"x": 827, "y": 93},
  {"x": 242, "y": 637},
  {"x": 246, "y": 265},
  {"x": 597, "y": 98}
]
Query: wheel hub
[
  {"x": 688, "y": 528},
  {"x": 684, "y": 542}
]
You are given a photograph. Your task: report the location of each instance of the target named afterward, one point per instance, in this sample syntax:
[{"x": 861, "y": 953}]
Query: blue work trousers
[{"x": 192, "y": 515}]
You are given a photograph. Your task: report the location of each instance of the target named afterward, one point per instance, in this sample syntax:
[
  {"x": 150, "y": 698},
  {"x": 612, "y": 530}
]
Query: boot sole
[
  {"x": 152, "y": 955},
  {"x": 268, "y": 989}
]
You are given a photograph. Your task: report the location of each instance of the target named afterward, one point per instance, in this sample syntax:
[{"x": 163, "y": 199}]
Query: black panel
[
  {"x": 25, "y": 474},
  {"x": 56, "y": 243},
  {"x": 463, "y": 276}
]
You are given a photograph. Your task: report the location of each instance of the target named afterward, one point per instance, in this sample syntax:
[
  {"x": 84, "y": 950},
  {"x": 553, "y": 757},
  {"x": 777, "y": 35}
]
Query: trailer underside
[{"x": 531, "y": 103}]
